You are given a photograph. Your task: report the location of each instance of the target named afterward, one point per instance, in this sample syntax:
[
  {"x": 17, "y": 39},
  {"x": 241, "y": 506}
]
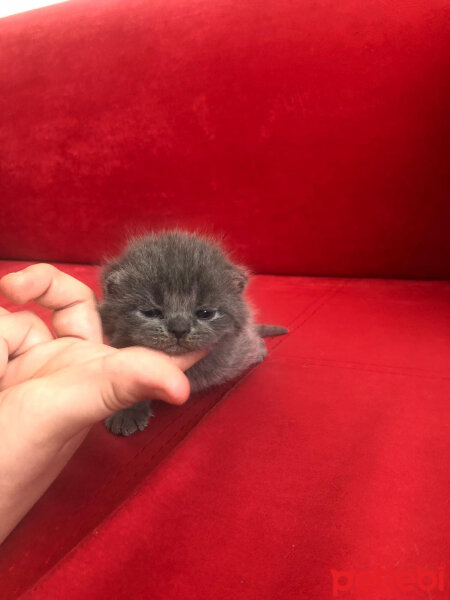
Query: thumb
[{"x": 77, "y": 397}]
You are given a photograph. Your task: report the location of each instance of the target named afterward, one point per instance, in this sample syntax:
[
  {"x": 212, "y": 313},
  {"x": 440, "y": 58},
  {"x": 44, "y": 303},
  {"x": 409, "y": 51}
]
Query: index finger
[
  {"x": 185, "y": 361},
  {"x": 73, "y": 303}
]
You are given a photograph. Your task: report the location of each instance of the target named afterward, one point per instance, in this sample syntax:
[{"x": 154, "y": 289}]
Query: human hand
[{"x": 53, "y": 389}]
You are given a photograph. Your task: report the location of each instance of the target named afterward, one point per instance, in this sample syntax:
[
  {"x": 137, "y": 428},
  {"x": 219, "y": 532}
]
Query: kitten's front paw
[{"x": 128, "y": 421}]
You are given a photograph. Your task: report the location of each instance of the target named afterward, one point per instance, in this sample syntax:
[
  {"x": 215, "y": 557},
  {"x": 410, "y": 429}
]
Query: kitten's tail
[{"x": 271, "y": 330}]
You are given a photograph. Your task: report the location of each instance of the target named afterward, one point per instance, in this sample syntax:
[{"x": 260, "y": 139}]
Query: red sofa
[{"x": 313, "y": 136}]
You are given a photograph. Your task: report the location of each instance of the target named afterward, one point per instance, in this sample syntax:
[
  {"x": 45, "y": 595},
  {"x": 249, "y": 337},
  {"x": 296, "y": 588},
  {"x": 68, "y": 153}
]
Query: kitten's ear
[
  {"x": 112, "y": 276},
  {"x": 239, "y": 278}
]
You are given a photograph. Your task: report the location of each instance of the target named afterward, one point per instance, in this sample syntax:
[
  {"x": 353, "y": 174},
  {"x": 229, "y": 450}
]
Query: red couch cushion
[
  {"x": 314, "y": 134},
  {"x": 331, "y": 454}
]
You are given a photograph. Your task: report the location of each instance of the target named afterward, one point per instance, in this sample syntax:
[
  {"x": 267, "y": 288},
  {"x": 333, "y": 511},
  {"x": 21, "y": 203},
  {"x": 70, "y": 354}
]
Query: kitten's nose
[{"x": 178, "y": 326}]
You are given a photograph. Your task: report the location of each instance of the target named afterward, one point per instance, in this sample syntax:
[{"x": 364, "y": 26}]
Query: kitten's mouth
[{"x": 178, "y": 348}]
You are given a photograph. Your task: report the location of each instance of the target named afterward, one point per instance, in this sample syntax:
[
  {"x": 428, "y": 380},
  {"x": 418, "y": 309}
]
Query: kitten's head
[{"x": 174, "y": 292}]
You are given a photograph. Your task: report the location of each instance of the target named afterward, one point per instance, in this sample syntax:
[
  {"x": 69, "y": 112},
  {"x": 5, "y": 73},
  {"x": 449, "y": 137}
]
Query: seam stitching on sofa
[
  {"x": 309, "y": 311},
  {"x": 313, "y": 362},
  {"x": 355, "y": 364}
]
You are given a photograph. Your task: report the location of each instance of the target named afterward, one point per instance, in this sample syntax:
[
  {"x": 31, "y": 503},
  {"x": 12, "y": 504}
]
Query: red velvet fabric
[
  {"x": 330, "y": 455},
  {"x": 314, "y": 134}
]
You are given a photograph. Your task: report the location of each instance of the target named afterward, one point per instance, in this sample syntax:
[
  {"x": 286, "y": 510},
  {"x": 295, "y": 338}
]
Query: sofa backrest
[{"x": 313, "y": 135}]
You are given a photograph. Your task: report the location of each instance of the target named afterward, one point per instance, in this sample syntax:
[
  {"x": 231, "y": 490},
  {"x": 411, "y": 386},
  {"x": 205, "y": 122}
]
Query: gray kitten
[{"x": 178, "y": 292}]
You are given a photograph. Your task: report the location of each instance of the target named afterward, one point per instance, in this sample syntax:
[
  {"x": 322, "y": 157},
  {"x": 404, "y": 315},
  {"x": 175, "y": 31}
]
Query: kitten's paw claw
[{"x": 128, "y": 421}]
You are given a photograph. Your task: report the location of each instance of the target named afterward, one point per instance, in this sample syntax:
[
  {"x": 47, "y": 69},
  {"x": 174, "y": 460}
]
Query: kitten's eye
[
  {"x": 153, "y": 313},
  {"x": 205, "y": 314}
]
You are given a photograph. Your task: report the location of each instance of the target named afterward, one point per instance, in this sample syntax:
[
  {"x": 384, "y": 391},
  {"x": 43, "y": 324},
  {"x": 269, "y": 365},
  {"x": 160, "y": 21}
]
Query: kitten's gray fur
[{"x": 178, "y": 274}]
